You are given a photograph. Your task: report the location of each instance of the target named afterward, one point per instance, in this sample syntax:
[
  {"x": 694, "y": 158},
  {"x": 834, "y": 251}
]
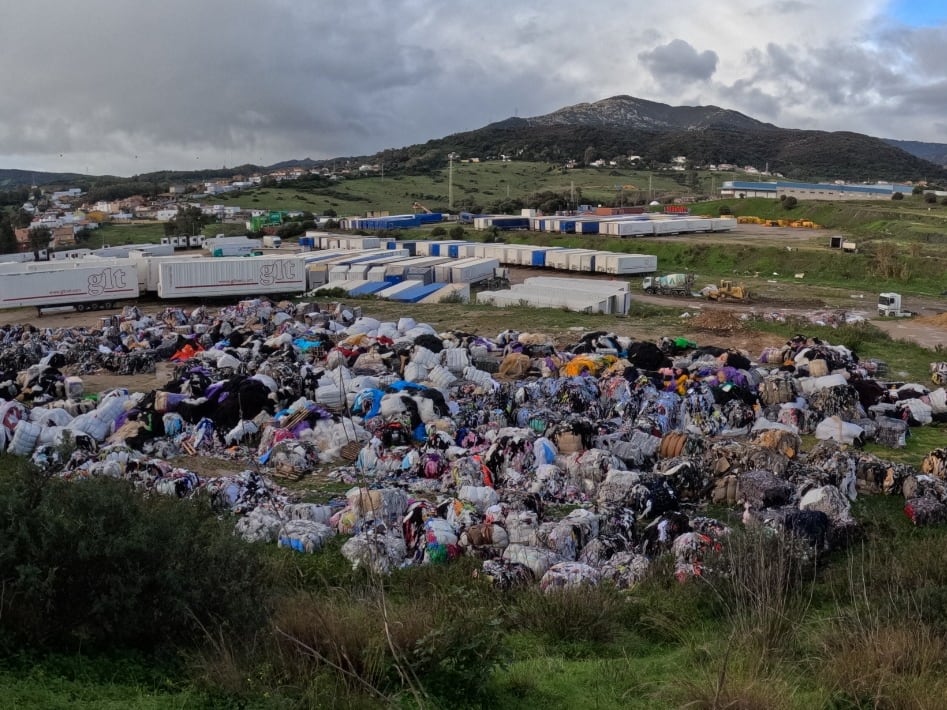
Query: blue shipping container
[{"x": 416, "y": 293}]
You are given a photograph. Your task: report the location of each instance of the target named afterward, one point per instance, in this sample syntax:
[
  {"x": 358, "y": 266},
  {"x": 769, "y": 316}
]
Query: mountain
[
  {"x": 627, "y": 112},
  {"x": 624, "y": 125},
  {"x": 934, "y": 152}
]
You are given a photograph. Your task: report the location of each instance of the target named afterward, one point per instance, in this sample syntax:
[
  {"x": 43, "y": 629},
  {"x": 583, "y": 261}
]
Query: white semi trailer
[
  {"x": 238, "y": 276},
  {"x": 80, "y": 284}
]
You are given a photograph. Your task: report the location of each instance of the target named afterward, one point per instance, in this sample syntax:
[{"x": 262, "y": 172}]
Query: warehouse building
[{"x": 811, "y": 191}]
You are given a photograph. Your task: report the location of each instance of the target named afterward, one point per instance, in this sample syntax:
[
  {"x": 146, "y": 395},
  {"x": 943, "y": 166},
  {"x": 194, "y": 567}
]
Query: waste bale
[
  {"x": 259, "y": 525},
  {"x": 925, "y": 510},
  {"x": 537, "y": 559},
  {"x": 484, "y": 540},
  {"x": 626, "y": 569},
  {"x": 379, "y": 549},
  {"x": 569, "y": 575},
  {"x": 828, "y": 500},
  {"x": 307, "y": 511},
  {"x": 762, "y": 489},
  {"x": 504, "y": 574}
]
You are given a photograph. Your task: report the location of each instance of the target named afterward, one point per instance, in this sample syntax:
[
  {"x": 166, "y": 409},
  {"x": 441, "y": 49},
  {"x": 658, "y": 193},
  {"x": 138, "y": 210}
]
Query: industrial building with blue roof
[{"x": 810, "y": 190}]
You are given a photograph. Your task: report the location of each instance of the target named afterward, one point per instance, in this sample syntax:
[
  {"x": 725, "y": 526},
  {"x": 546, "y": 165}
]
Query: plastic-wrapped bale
[
  {"x": 291, "y": 457},
  {"x": 726, "y": 491},
  {"x": 892, "y": 433},
  {"x": 915, "y": 412},
  {"x": 617, "y": 487},
  {"x": 925, "y": 510},
  {"x": 802, "y": 418},
  {"x": 731, "y": 457},
  {"x": 480, "y": 378},
  {"x": 778, "y": 387},
  {"x": 839, "y": 430},
  {"x": 307, "y": 511},
  {"x": 537, "y": 559},
  {"x": 589, "y": 468},
  {"x": 626, "y": 569},
  {"x": 440, "y": 541},
  {"x": 378, "y": 549},
  {"x": 689, "y": 550},
  {"x": 25, "y": 437},
  {"x": 878, "y": 476},
  {"x": 762, "y": 489},
  {"x": 259, "y": 525},
  {"x": 839, "y": 401},
  {"x": 522, "y": 526},
  {"x": 90, "y": 424},
  {"x": 548, "y": 481},
  {"x": 455, "y": 359},
  {"x": 383, "y": 505},
  {"x": 568, "y": 536},
  {"x": 787, "y": 443},
  {"x": 569, "y": 575},
  {"x": 641, "y": 448},
  {"x": 829, "y": 500},
  {"x": 481, "y": 497},
  {"x": 241, "y": 432},
  {"x": 504, "y": 574},
  {"x": 924, "y": 486},
  {"x": 686, "y": 477},
  {"x": 484, "y": 539},
  {"x": 935, "y": 464}
]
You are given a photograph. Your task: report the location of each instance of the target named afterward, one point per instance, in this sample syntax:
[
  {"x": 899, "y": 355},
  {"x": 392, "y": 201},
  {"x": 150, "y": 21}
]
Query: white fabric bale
[
  {"x": 227, "y": 361},
  {"x": 569, "y": 575},
  {"x": 380, "y": 551},
  {"x": 441, "y": 377},
  {"x": 89, "y": 424},
  {"x": 307, "y": 511},
  {"x": 268, "y": 381},
  {"x": 538, "y": 559},
  {"x": 419, "y": 330},
  {"x": 480, "y": 377},
  {"x": 422, "y": 356},
  {"x": 481, "y": 497},
  {"x": 259, "y": 525},
  {"x": 522, "y": 526},
  {"x": 383, "y": 504},
  {"x": 455, "y": 359},
  {"x": 243, "y": 430},
  {"x": 363, "y": 325},
  {"x": 415, "y": 372},
  {"x": 406, "y": 323},
  {"x": 938, "y": 400},
  {"x": 548, "y": 480},
  {"x": 388, "y": 330},
  {"x": 330, "y": 396},
  {"x": 25, "y": 437},
  {"x": 920, "y": 410},
  {"x": 73, "y": 387},
  {"x": 304, "y": 535},
  {"x": 836, "y": 429},
  {"x": 829, "y": 500}
]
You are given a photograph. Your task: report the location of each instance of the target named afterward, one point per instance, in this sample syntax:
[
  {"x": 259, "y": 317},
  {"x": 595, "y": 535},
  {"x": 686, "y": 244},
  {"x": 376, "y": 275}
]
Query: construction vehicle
[
  {"x": 417, "y": 206},
  {"x": 728, "y": 291},
  {"x": 670, "y": 285},
  {"x": 889, "y": 304}
]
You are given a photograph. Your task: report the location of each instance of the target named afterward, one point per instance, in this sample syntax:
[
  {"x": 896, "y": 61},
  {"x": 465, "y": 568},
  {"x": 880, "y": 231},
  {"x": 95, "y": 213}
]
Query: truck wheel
[{"x": 80, "y": 307}]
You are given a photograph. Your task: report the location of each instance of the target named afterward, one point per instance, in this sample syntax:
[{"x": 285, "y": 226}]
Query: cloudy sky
[{"x": 129, "y": 86}]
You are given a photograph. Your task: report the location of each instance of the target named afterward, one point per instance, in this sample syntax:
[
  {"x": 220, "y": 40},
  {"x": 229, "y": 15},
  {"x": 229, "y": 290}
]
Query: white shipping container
[
  {"x": 614, "y": 263},
  {"x": 339, "y": 272},
  {"x": 78, "y": 283},
  {"x": 472, "y": 271},
  {"x": 581, "y": 260},
  {"x": 231, "y": 277}
]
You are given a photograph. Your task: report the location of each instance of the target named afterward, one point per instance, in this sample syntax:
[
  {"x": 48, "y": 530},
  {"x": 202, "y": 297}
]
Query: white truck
[
  {"x": 80, "y": 284},
  {"x": 671, "y": 285},
  {"x": 889, "y": 304}
]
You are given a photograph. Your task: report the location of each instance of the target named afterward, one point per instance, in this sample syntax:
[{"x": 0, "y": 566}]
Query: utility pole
[{"x": 450, "y": 179}]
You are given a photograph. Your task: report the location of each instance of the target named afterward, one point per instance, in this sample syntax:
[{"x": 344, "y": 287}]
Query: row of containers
[
  {"x": 645, "y": 225},
  {"x": 430, "y": 271}
]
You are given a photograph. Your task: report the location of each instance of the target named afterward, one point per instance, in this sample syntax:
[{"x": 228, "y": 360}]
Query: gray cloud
[
  {"x": 679, "y": 60},
  {"x": 120, "y": 87}
]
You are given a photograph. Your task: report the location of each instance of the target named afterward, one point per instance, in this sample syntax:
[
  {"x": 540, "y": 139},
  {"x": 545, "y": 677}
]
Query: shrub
[
  {"x": 96, "y": 563},
  {"x": 438, "y": 232},
  {"x": 457, "y": 232},
  {"x": 790, "y": 202},
  {"x": 930, "y": 198},
  {"x": 897, "y": 196},
  {"x": 724, "y": 210}
]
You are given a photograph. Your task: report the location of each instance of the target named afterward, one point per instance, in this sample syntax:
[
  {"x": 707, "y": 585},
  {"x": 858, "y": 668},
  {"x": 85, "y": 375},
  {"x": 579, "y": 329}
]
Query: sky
[{"x": 127, "y": 86}]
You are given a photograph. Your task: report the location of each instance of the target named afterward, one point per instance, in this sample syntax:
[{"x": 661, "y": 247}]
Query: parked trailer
[
  {"x": 232, "y": 277},
  {"x": 84, "y": 286}
]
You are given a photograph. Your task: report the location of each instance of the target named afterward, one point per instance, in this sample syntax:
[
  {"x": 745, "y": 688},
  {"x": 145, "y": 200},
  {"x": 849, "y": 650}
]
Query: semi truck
[
  {"x": 889, "y": 304},
  {"x": 209, "y": 278},
  {"x": 670, "y": 285}
]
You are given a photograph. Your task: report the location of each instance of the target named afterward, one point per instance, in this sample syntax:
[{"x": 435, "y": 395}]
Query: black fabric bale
[
  {"x": 762, "y": 489},
  {"x": 647, "y": 356},
  {"x": 431, "y": 342}
]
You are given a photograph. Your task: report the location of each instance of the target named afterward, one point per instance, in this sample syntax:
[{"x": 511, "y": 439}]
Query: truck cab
[{"x": 889, "y": 304}]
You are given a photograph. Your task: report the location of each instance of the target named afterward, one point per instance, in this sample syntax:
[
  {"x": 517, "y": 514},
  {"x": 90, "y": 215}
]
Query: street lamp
[{"x": 450, "y": 179}]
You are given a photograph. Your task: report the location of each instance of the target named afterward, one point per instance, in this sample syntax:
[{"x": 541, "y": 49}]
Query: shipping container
[
  {"x": 271, "y": 241},
  {"x": 231, "y": 277},
  {"x": 417, "y": 293},
  {"x": 472, "y": 271},
  {"x": 450, "y": 291}
]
